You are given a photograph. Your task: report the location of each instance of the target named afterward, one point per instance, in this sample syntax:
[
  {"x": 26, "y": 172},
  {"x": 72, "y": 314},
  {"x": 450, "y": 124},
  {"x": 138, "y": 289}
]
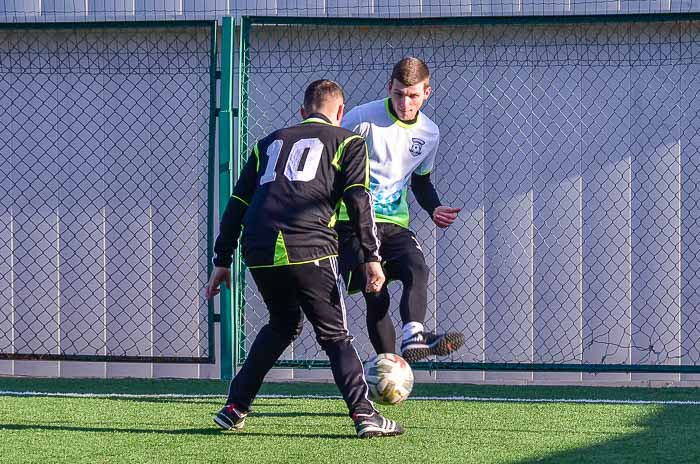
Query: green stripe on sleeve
[
  {"x": 354, "y": 185},
  {"x": 241, "y": 200},
  {"x": 366, "y": 167},
  {"x": 257, "y": 157},
  {"x": 341, "y": 149}
]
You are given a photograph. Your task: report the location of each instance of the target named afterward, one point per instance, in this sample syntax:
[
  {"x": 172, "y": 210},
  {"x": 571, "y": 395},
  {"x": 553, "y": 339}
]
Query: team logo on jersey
[{"x": 416, "y": 146}]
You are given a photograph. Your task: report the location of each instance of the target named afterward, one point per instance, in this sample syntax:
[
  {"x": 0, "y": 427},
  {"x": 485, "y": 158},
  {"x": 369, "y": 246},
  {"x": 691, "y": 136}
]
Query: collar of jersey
[
  {"x": 317, "y": 118},
  {"x": 397, "y": 120}
]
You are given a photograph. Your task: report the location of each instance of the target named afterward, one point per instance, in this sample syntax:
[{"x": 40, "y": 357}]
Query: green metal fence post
[
  {"x": 211, "y": 172},
  {"x": 225, "y": 184},
  {"x": 243, "y": 149}
]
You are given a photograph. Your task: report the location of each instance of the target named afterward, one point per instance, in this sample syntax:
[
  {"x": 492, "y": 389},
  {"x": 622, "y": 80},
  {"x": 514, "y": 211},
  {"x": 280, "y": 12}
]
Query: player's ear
[
  {"x": 341, "y": 111},
  {"x": 303, "y": 113},
  {"x": 428, "y": 90}
]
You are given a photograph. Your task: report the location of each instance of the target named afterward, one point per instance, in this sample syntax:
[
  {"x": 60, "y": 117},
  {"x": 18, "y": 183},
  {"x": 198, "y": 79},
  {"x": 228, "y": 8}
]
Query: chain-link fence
[
  {"x": 571, "y": 147},
  {"x": 138, "y": 10},
  {"x": 104, "y": 152}
]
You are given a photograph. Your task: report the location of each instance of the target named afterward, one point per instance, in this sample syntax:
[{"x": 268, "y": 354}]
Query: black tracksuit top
[{"x": 288, "y": 193}]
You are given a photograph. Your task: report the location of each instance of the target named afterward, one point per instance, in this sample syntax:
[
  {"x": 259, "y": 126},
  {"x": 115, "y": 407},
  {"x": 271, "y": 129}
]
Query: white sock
[{"x": 410, "y": 329}]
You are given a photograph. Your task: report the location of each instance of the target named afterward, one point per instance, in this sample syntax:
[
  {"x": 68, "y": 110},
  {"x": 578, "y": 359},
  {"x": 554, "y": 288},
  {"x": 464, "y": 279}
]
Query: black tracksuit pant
[{"x": 290, "y": 292}]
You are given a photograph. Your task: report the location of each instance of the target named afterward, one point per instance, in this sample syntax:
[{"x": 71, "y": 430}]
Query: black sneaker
[
  {"x": 375, "y": 425},
  {"x": 230, "y": 417},
  {"x": 424, "y": 344}
]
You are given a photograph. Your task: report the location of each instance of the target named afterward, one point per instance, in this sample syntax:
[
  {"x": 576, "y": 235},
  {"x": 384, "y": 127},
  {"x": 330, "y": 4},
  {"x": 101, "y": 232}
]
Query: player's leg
[
  {"x": 321, "y": 299},
  {"x": 405, "y": 262},
  {"x": 380, "y": 327},
  {"x": 285, "y": 324}
]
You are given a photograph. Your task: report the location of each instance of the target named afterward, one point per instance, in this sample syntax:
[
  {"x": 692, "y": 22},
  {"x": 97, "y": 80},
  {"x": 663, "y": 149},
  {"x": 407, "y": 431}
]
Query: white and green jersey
[{"x": 396, "y": 150}]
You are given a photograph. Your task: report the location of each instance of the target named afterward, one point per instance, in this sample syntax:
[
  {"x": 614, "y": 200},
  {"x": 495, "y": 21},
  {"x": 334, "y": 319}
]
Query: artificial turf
[{"x": 162, "y": 430}]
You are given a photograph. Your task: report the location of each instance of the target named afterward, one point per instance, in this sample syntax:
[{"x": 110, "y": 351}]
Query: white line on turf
[{"x": 336, "y": 397}]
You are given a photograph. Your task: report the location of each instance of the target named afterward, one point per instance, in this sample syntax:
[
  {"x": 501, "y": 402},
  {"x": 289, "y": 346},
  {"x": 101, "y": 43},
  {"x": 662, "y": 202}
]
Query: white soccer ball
[{"x": 389, "y": 377}]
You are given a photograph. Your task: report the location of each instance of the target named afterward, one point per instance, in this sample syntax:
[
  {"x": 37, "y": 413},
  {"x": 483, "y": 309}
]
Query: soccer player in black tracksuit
[{"x": 285, "y": 202}]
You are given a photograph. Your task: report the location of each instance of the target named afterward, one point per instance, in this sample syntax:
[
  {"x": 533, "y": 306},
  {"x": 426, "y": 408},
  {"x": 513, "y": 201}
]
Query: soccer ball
[{"x": 389, "y": 377}]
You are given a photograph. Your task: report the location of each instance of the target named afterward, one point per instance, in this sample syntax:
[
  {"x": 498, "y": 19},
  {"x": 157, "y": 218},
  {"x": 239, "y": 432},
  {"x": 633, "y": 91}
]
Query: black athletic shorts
[{"x": 396, "y": 242}]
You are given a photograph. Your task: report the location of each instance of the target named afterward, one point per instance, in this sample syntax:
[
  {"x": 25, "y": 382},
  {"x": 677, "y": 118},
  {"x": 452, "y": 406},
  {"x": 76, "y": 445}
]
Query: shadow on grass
[
  {"x": 261, "y": 410},
  {"x": 257, "y": 413},
  {"x": 214, "y": 402},
  {"x": 190, "y": 431},
  {"x": 171, "y": 401},
  {"x": 67, "y": 428},
  {"x": 335, "y": 436},
  {"x": 672, "y": 435}
]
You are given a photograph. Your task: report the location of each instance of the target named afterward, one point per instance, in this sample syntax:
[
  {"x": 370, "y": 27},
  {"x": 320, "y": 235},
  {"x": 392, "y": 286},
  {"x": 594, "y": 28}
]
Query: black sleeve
[
  {"x": 232, "y": 220},
  {"x": 354, "y": 170},
  {"x": 424, "y": 191}
]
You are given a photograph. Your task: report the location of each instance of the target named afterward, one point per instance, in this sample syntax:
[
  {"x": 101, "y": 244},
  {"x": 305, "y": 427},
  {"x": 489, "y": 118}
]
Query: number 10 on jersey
[{"x": 301, "y": 165}]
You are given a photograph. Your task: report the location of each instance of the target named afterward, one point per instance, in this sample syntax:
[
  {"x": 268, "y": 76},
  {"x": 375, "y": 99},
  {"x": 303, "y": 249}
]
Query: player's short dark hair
[
  {"x": 319, "y": 91},
  {"x": 411, "y": 71}
]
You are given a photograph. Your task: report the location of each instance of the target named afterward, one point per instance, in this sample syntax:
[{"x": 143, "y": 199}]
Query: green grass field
[{"x": 46, "y": 429}]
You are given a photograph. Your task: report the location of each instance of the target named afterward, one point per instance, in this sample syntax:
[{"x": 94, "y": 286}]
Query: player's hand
[
  {"x": 375, "y": 277},
  {"x": 219, "y": 275},
  {"x": 444, "y": 216}
]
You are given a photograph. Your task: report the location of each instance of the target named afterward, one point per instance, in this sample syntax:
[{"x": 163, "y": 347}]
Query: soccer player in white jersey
[{"x": 402, "y": 143}]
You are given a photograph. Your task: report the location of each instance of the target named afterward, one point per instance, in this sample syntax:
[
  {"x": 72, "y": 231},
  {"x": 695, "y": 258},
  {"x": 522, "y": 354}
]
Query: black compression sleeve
[{"x": 424, "y": 191}]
